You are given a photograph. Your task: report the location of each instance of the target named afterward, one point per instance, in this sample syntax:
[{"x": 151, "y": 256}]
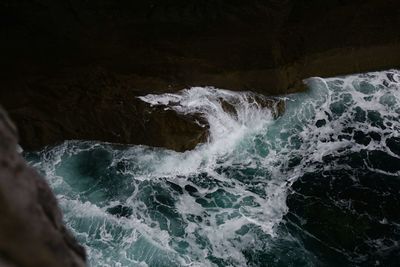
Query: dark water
[{"x": 320, "y": 186}]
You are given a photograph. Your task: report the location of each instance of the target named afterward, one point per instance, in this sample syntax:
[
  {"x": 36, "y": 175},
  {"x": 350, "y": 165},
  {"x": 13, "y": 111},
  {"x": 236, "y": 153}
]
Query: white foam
[
  {"x": 226, "y": 130},
  {"x": 252, "y": 150}
]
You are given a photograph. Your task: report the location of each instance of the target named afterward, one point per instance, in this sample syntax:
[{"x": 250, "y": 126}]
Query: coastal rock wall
[
  {"x": 95, "y": 105},
  {"x": 265, "y": 46},
  {"x": 32, "y": 232},
  {"x": 52, "y": 51}
]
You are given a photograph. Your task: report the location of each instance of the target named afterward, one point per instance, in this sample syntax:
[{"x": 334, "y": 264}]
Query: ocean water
[{"x": 318, "y": 186}]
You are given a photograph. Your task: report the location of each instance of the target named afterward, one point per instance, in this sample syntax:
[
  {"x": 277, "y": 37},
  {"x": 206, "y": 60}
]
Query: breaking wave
[{"x": 265, "y": 190}]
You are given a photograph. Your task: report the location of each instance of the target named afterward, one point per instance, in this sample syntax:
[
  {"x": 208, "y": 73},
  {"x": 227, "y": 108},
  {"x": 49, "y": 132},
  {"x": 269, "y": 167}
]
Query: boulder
[{"x": 32, "y": 232}]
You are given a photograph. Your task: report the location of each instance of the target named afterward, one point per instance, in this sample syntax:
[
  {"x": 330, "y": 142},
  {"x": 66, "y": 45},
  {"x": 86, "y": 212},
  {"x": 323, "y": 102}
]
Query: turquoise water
[{"x": 318, "y": 186}]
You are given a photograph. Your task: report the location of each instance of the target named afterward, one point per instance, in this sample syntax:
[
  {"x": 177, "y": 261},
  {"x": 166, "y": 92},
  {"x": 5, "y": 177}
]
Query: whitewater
[{"x": 317, "y": 185}]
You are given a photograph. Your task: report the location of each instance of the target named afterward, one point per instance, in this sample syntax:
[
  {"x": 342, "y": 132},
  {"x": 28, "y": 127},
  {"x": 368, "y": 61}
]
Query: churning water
[{"x": 318, "y": 186}]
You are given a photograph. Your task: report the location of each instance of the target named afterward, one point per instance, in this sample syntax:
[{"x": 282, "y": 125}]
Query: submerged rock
[{"x": 32, "y": 232}]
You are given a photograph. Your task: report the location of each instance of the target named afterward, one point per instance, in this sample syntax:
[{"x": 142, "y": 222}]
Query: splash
[{"x": 225, "y": 202}]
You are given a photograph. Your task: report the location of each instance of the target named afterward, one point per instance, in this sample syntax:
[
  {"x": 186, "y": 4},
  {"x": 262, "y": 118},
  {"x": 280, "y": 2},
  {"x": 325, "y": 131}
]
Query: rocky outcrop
[
  {"x": 32, "y": 232},
  {"x": 51, "y": 52},
  {"x": 95, "y": 105}
]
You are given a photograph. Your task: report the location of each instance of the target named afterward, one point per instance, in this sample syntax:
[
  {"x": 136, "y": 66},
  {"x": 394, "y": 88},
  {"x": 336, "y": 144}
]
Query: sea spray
[{"x": 239, "y": 199}]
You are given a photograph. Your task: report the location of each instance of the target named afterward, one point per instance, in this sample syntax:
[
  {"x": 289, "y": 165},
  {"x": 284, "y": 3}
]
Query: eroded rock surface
[
  {"x": 32, "y": 232},
  {"x": 96, "y": 105}
]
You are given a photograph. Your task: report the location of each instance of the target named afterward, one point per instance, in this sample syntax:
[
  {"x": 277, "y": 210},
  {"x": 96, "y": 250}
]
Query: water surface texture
[{"x": 319, "y": 186}]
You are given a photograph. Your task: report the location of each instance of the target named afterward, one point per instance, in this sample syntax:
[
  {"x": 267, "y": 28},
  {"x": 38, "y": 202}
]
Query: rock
[
  {"x": 96, "y": 105},
  {"x": 276, "y": 105},
  {"x": 32, "y": 232},
  {"x": 228, "y": 107},
  {"x": 52, "y": 52},
  {"x": 266, "y": 46}
]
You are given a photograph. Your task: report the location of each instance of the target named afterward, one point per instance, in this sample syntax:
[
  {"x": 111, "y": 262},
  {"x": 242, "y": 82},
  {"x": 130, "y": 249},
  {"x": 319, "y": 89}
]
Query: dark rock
[
  {"x": 98, "y": 106},
  {"x": 32, "y": 232},
  {"x": 267, "y": 46},
  {"x": 228, "y": 107},
  {"x": 276, "y": 105},
  {"x": 51, "y": 52}
]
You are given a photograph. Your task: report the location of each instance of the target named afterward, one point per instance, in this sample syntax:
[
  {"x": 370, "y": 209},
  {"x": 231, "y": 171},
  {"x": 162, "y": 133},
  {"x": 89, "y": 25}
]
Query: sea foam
[{"x": 223, "y": 203}]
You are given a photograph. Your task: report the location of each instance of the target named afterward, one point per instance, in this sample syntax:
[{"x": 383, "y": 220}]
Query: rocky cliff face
[
  {"x": 51, "y": 48},
  {"x": 32, "y": 232},
  {"x": 267, "y": 46}
]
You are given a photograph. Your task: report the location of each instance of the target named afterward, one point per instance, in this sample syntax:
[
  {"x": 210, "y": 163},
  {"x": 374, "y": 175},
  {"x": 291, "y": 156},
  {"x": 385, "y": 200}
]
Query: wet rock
[
  {"x": 32, "y": 232},
  {"x": 228, "y": 107},
  {"x": 276, "y": 105},
  {"x": 52, "y": 50},
  {"x": 96, "y": 105},
  {"x": 279, "y": 107}
]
